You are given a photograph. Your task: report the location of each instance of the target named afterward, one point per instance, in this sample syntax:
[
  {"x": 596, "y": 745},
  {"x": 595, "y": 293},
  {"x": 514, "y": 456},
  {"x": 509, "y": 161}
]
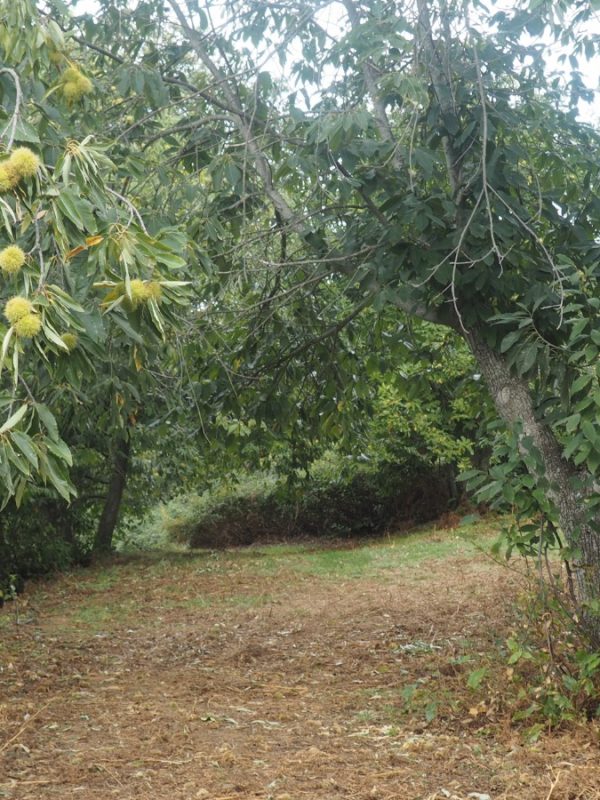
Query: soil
[{"x": 240, "y": 676}]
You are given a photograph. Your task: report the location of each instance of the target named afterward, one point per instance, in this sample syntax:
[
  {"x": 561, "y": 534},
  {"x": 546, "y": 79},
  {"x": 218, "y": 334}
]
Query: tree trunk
[
  {"x": 112, "y": 503},
  {"x": 566, "y": 490}
]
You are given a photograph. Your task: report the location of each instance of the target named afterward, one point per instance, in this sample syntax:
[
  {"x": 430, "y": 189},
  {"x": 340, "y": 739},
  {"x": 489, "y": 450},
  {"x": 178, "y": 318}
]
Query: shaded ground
[{"x": 279, "y": 672}]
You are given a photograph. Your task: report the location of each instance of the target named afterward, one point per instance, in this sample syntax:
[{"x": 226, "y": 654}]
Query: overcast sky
[{"x": 333, "y": 14}]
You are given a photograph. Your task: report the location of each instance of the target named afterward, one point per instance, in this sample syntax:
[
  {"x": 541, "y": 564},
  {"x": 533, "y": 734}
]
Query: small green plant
[{"x": 552, "y": 670}]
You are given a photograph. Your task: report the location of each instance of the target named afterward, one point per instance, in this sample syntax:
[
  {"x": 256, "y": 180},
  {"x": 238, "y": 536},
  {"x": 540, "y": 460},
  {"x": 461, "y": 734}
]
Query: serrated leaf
[
  {"x": 508, "y": 341},
  {"x": 17, "y": 460},
  {"x": 527, "y": 358},
  {"x": 66, "y": 170},
  {"x": 53, "y": 336},
  {"x": 20, "y": 491},
  {"x": 127, "y": 329},
  {"x": 62, "y": 486},
  {"x": 25, "y": 445},
  {"x": 5, "y": 344},
  {"x": 61, "y": 450},
  {"x": 47, "y": 418},
  {"x": 67, "y": 204},
  {"x": 589, "y": 431},
  {"x": 24, "y": 132}
]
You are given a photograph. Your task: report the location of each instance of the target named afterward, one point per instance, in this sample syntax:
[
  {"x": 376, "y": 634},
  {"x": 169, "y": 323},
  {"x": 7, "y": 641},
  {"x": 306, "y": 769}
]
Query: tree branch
[
  {"x": 260, "y": 161},
  {"x": 331, "y": 331},
  {"x": 370, "y": 76}
]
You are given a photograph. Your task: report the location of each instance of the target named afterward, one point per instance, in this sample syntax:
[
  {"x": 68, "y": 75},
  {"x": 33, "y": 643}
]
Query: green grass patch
[
  {"x": 103, "y": 580},
  {"x": 378, "y": 559},
  {"x": 199, "y": 601},
  {"x": 383, "y": 559}
]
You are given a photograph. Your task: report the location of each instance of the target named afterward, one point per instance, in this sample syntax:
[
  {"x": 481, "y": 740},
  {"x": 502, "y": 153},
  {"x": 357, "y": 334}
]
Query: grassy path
[{"x": 279, "y": 672}]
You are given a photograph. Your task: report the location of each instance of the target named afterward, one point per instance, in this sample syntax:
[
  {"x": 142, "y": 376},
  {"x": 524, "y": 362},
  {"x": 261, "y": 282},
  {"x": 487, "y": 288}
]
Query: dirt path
[{"x": 269, "y": 674}]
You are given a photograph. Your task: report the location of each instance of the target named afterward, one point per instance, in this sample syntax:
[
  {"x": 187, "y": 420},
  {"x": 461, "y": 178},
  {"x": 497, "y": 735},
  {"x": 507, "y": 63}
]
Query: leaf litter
[{"x": 169, "y": 680}]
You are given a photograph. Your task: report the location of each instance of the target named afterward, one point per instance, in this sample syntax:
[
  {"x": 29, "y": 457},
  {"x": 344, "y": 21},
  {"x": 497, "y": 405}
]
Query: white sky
[{"x": 331, "y": 16}]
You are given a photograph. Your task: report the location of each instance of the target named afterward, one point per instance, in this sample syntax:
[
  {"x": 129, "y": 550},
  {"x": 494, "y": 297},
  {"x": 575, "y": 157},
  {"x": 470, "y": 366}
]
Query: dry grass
[{"x": 264, "y": 674}]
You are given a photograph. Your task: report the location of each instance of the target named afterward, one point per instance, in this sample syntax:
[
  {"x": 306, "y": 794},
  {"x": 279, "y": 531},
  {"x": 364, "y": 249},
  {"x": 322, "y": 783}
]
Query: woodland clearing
[{"x": 283, "y": 672}]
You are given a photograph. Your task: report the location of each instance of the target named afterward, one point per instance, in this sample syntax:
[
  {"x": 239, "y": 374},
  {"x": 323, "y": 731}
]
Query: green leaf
[
  {"x": 581, "y": 382},
  {"x": 527, "y": 358},
  {"x": 5, "y": 345},
  {"x": 24, "y": 132},
  {"x": 154, "y": 310},
  {"x": 126, "y": 327},
  {"x": 578, "y": 326},
  {"x": 67, "y": 204},
  {"x": 581, "y": 456},
  {"x": 76, "y": 209},
  {"x": 508, "y": 341},
  {"x": 49, "y": 469},
  {"x": 61, "y": 450},
  {"x": 431, "y": 710},
  {"x": 20, "y": 491},
  {"x": 53, "y": 336},
  {"x": 476, "y": 677},
  {"x": 516, "y": 655},
  {"x": 589, "y": 431},
  {"x": 25, "y": 445},
  {"x": 17, "y": 460},
  {"x": 15, "y": 418},
  {"x": 48, "y": 420}
]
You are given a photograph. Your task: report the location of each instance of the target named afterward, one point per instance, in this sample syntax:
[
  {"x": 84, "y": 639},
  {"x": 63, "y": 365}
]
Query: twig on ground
[
  {"x": 25, "y": 724},
  {"x": 554, "y": 785}
]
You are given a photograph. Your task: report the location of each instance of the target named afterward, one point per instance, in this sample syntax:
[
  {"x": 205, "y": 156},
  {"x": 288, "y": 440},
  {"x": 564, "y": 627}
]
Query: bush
[
  {"x": 336, "y": 501},
  {"x": 554, "y": 673},
  {"x": 35, "y": 539}
]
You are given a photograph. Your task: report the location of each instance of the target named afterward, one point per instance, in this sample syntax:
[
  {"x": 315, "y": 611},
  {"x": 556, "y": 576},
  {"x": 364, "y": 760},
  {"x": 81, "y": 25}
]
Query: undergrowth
[
  {"x": 553, "y": 671},
  {"x": 333, "y": 501}
]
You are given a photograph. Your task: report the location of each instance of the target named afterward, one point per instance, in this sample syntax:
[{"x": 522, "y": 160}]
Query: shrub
[
  {"x": 36, "y": 539},
  {"x": 554, "y": 674},
  {"x": 337, "y": 500}
]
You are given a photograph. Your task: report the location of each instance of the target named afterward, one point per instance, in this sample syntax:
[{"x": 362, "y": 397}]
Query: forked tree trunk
[
  {"x": 513, "y": 401},
  {"x": 112, "y": 504}
]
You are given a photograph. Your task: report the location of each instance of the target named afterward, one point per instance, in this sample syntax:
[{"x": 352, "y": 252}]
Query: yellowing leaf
[
  {"x": 90, "y": 241},
  {"x": 75, "y": 251}
]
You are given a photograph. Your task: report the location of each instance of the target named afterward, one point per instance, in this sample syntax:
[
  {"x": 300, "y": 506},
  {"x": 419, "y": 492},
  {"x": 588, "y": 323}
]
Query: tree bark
[
  {"x": 114, "y": 495},
  {"x": 566, "y": 489}
]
